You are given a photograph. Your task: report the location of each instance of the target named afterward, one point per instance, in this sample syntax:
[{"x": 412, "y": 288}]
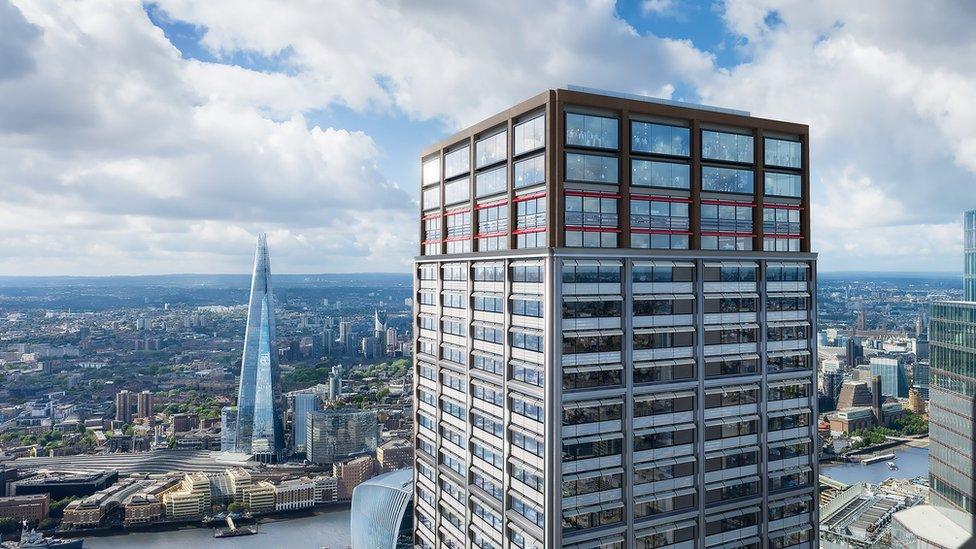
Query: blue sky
[{"x": 161, "y": 137}]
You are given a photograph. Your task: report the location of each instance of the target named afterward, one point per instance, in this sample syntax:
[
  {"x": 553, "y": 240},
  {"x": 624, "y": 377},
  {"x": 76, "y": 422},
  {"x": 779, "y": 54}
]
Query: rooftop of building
[
  {"x": 928, "y": 523},
  {"x": 401, "y": 479}
]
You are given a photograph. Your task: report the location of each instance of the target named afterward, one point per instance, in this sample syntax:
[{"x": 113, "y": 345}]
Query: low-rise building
[
  {"x": 295, "y": 494},
  {"x": 146, "y": 505},
  {"x": 260, "y": 497},
  {"x": 394, "y": 454},
  {"x": 326, "y": 489},
  {"x": 352, "y": 473},
  {"x": 31, "y": 508}
]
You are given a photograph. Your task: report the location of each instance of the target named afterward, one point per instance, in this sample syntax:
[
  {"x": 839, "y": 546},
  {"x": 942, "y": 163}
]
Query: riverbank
[{"x": 911, "y": 462}]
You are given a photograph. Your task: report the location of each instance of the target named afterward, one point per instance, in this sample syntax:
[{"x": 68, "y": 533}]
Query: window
[
  {"x": 493, "y": 227},
  {"x": 592, "y": 308},
  {"x": 528, "y": 476},
  {"x": 529, "y": 444},
  {"x": 453, "y": 300},
  {"x": 428, "y": 272},
  {"x": 591, "y": 519},
  {"x": 457, "y": 162},
  {"x": 727, "y": 180},
  {"x": 648, "y": 137},
  {"x": 486, "y": 515},
  {"x": 663, "y": 405},
  {"x": 577, "y": 344},
  {"x": 453, "y": 354},
  {"x": 746, "y": 304},
  {"x": 491, "y": 303},
  {"x": 726, "y": 225},
  {"x": 664, "y": 439},
  {"x": 456, "y": 191},
  {"x": 528, "y": 373},
  {"x": 592, "y": 485},
  {"x": 666, "y": 504},
  {"x": 591, "y": 221},
  {"x": 786, "y": 392},
  {"x": 428, "y": 297},
  {"x": 491, "y": 149},
  {"x": 530, "y": 222},
  {"x": 781, "y": 221},
  {"x": 431, "y": 198},
  {"x": 530, "y": 135},
  {"x": 590, "y": 377},
  {"x": 527, "y": 408},
  {"x": 455, "y": 272},
  {"x": 733, "y": 461},
  {"x": 487, "y": 453},
  {"x": 527, "y": 273},
  {"x": 586, "y": 450},
  {"x": 663, "y": 340},
  {"x": 490, "y": 272},
  {"x": 651, "y": 173},
  {"x": 730, "y": 273},
  {"x": 730, "y": 490},
  {"x": 452, "y": 408},
  {"x": 595, "y": 132},
  {"x": 530, "y": 171},
  {"x": 488, "y": 424},
  {"x": 592, "y": 413},
  {"x": 591, "y": 168},
  {"x": 527, "y": 307},
  {"x": 431, "y": 171},
  {"x": 491, "y": 395},
  {"x": 792, "y": 421},
  {"x": 489, "y": 333},
  {"x": 783, "y": 153},
  {"x": 488, "y": 484},
  {"x": 528, "y": 511},
  {"x": 491, "y": 182},
  {"x": 788, "y": 303},
  {"x": 731, "y": 430},
  {"x": 795, "y": 273},
  {"x": 591, "y": 274},
  {"x": 452, "y": 326},
  {"x": 731, "y": 523},
  {"x": 658, "y": 307},
  {"x": 432, "y": 235},
  {"x": 529, "y": 341},
  {"x": 653, "y": 372},
  {"x": 659, "y": 224},
  {"x": 668, "y": 471},
  {"x": 732, "y": 396},
  {"x": 458, "y": 232},
  {"x": 731, "y": 367},
  {"x": 487, "y": 363},
  {"x": 731, "y": 147},
  {"x": 786, "y": 333},
  {"x": 784, "y": 184},
  {"x": 662, "y": 273},
  {"x": 783, "y": 363},
  {"x": 730, "y": 336}
]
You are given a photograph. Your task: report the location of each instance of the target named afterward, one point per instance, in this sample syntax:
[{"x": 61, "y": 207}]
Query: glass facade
[
  {"x": 260, "y": 412},
  {"x": 381, "y": 515},
  {"x": 335, "y": 435},
  {"x": 969, "y": 247}
]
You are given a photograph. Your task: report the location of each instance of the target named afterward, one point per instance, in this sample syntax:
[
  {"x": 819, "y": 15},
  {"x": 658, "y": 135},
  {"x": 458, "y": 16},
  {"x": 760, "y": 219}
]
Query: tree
[
  {"x": 8, "y": 525},
  {"x": 235, "y": 507}
]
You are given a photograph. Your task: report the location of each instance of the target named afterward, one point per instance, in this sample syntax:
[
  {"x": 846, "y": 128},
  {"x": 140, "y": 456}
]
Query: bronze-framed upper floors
[{"x": 576, "y": 169}]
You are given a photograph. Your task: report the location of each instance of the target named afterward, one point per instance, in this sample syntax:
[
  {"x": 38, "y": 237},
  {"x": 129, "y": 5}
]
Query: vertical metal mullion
[
  {"x": 623, "y": 207},
  {"x": 759, "y": 149},
  {"x": 763, "y": 399},
  {"x": 696, "y": 183},
  {"x": 700, "y": 397},
  {"x": 627, "y": 363}
]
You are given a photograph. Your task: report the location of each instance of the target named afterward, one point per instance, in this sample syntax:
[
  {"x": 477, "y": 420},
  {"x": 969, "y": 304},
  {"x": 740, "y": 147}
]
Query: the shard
[{"x": 259, "y": 407}]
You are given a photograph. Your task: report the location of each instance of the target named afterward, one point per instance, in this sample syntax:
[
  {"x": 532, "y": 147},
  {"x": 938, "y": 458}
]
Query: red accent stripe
[
  {"x": 783, "y": 236},
  {"x": 531, "y": 196},
  {"x": 457, "y": 238},
  {"x": 587, "y": 194},
  {"x": 783, "y": 206},
  {"x": 658, "y": 231},
  {"x": 531, "y": 230},
  {"x": 457, "y": 211},
  {"x": 432, "y": 241},
  {"x": 728, "y": 234},
  {"x": 592, "y": 229},
  {"x": 491, "y": 235},
  {"x": 729, "y": 203},
  {"x": 660, "y": 198},
  {"x": 431, "y": 216},
  {"x": 491, "y": 204}
]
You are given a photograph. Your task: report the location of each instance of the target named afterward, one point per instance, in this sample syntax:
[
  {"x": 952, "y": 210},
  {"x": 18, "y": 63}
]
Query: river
[
  {"x": 325, "y": 529},
  {"x": 911, "y": 462}
]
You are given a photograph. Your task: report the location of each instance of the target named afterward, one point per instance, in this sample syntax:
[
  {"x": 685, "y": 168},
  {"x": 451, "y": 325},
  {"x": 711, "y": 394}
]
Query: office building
[
  {"x": 188, "y": 499},
  {"x": 614, "y": 319},
  {"x": 183, "y": 423},
  {"x": 302, "y": 404},
  {"x": 894, "y": 381},
  {"x": 969, "y": 250},
  {"x": 295, "y": 494},
  {"x": 380, "y": 517},
  {"x": 855, "y": 351},
  {"x": 260, "y": 421},
  {"x": 144, "y": 404},
  {"x": 338, "y": 434},
  {"x": 394, "y": 454},
  {"x": 124, "y": 401},
  {"x": 920, "y": 378},
  {"x": 228, "y": 429}
]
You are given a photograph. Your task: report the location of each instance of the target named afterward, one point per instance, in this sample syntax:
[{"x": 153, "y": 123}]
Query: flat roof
[{"x": 658, "y": 100}]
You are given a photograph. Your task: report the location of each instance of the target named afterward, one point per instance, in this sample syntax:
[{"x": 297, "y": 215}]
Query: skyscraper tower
[
  {"x": 614, "y": 321},
  {"x": 260, "y": 408},
  {"x": 969, "y": 245}
]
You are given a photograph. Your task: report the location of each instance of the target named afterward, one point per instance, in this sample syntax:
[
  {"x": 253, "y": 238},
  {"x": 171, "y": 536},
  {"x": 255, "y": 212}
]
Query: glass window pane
[
  {"x": 591, "y": 168},
  {"x": 583, "y": 130},
  {"x": 491, "y": 182},
  {"x": 530, "y": 135},
  {"x": 457, "y": 162},
  {"x": 728, "y": 180},
  {"x": 783, "y": 184},
  {"x": 456, "y": 191},
  {"x": 782, "y": 152},
  {"x": 659, "y": 138},
  {"x": 732, "y": 147},
  {"x": 530, "y": 171},
  {"x": 660, "y": 174},
  {"x": 432, "y": 171},
  {"x": 491, "y": 149}
]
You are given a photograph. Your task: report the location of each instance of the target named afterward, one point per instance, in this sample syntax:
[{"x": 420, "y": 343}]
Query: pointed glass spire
[{"x": 259, "y": 406}]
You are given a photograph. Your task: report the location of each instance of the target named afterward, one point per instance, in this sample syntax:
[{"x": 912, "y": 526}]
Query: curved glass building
[{"x": 381, "y": 514}]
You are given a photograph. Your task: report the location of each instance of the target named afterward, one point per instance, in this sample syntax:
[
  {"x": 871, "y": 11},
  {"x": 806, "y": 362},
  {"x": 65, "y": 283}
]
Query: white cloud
[{"x": 658, "y": 7}]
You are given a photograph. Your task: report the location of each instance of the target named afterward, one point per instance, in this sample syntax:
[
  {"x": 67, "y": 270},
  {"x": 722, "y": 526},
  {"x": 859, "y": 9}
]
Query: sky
[{"x": 162, "y": 137}]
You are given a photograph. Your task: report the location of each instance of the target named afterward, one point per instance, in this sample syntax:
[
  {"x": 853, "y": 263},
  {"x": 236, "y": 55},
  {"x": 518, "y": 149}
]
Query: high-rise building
[
  {"x": 894, "y": 380},
  {"x": 920, "y": 378},
  {"x": 614, "y": 319},
  {"x": 380, "y": 514},
  {"x": 124, "y": 401},
  {"x": 260, "y": 429},
  {"x": 338, "y": 434},
  {"x": 303, "y": 404},
  {"x": 950, "y": 520},
  {"x": 144, "y": 404},
  {"x": 228, "y": 429}
]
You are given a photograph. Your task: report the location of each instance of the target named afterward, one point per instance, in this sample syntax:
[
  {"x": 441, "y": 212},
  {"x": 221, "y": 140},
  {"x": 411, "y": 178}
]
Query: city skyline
[{"x": 140, "y": 159}]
